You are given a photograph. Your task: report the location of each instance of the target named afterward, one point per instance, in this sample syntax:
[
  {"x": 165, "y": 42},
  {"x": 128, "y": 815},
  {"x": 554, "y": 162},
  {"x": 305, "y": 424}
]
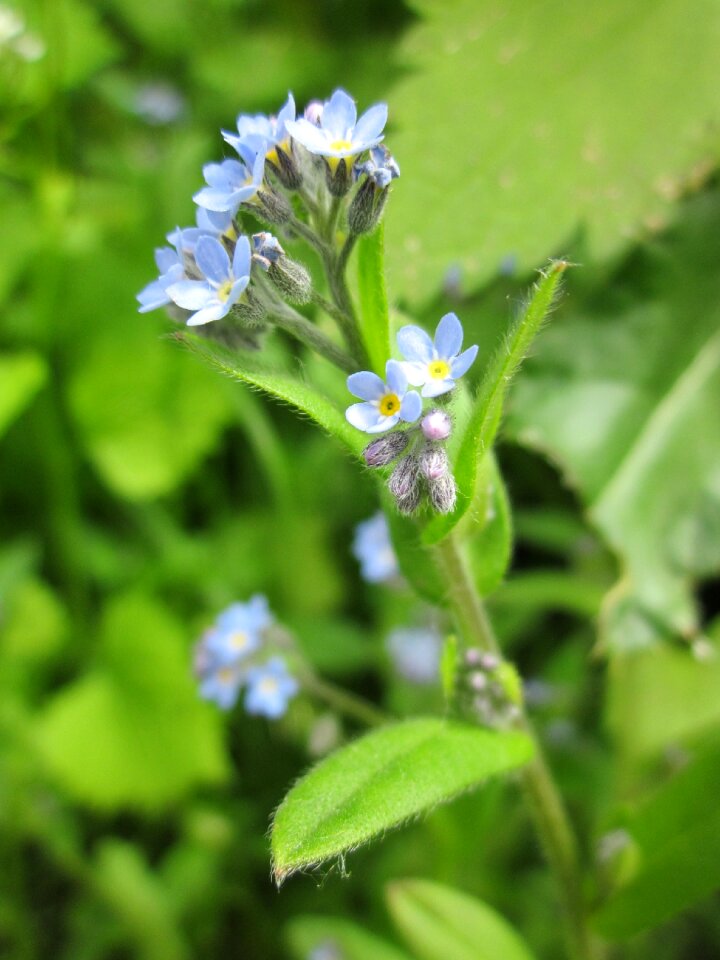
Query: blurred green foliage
[{"x": 140, "y": 491}]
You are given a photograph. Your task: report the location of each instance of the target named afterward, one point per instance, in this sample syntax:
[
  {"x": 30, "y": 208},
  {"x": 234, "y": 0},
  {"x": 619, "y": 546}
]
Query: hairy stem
[
  {"x": 544, "y": 798},
  {"x": 302, "y": 329}
]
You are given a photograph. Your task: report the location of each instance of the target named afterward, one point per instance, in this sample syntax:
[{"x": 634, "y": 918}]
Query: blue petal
[
  {"x": 306, "y": 133},
  {"x": 396, "y": 379},
  {"x": 434, "y": 388},
  {"x": 371, "y": 124},
  {"x": 212, "y": 259},
  {"x": 415, "y": 344},
  {"x": 214, "y": 311},
  {"x": 236, "y": 291},
  {"x": 411, "y": 406},
  {"x": 384, "y": 423},
  {"x": 165, "y": 257},
  {"x": 462, "y": 364},
  {"x": 339, "y": 115},
  {"x": 285, "y": 114},
  {"x": 366, "y": 385},
  {"x": 417, "y": 372},
  {"x": 152, "y": 296},
  {"x": 190, "y": 294},
  {"x": 448, "y": 336},
  {"x": 241, "y": 258},
  {"x": 214, "y": 198},
  {"x": 365, "y": 416}
]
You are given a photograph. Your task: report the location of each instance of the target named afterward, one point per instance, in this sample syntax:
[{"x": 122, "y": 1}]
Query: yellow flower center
[
  {"x": 224, "y": 290},
  {"x": 389, "y": 404},
  {"x": 272, "y": 154},
  {"x": 231, "y": 233},
  {"x": 226, "y": 675},
  {"x": 239, "y": 641},
  {"x": 268, "y": 684},
  {"x": 438, "y": 369}
]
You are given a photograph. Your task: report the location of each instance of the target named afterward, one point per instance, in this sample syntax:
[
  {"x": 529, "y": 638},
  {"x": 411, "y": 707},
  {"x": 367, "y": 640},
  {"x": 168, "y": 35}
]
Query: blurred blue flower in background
[
  {"x": 373, "y": 549},
  {"x": 270, "y": 687},
  {"x": 435, "y": 365},
  {"x": 415, "y": 653}
]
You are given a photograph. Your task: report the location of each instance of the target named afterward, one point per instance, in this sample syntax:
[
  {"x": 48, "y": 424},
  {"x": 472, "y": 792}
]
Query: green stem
[
  {"x": 307, "y": 233},
  {"x": 343, "y": 702},
  {"x": 347, "y": 249},
  {"x": 300, "y": 327},
  {"x": 546, "y": 804},
  {"x": 346, "y": 316}
]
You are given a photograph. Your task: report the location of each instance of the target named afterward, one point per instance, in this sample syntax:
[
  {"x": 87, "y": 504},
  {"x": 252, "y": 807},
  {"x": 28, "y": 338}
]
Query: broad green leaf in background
[
  {"x": 380, "y": 781},
  {"x": 624, "y": 396},
  {"x": 280, "y": 385},
  {"x": 511, "y": 135},
  {"x": 146, "y": 414},
  {"x": 676, "y": 849},
  {"x": 481, "y": 427},
  {"x": 440, "y": 923},
  {"x": 132, "y": 732},
  {"x": 416, "y": 562},
  {"x": 21, "y": 376},
  {"x": 374, "y": 312},
  {"x": 308, "y": 934},
  {"x": 490, "y": 546}
]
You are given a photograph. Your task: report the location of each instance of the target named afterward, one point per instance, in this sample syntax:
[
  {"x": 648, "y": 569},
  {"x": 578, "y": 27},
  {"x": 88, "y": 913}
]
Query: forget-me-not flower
[
  {"x": 238, "y": 631},
  {"x": 373, "y": 549},
  {"x": 270, "y": 687},
  {"x": 415, "y": 653},
  {"x": 266, "y": 249},
  {"x": 380, "y": 167},
  {"x": 340, "y": 135},
  {"x": 213, "y": 298},
  {"x": 386, "y": 403},
  {"x": 170, "y": 264},
  {"x": 209, "y": 223},
  {"x": 270, "y": 129},
  {"x": 435, "y": 365},
  {"x": 221, "y": 684},
  {"x": 232, "y": 182}
]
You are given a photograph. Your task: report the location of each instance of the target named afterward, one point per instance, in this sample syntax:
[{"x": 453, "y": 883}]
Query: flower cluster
[
  {"x": 434, "y": 366},
  {"x": 284, "y": 163},
  {"x": 489, "y": 688},
  {"x": 233, "y": 654}
]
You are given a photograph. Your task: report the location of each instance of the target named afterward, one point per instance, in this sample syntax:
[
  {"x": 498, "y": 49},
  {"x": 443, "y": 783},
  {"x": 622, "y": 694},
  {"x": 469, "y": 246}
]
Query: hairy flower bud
[
  {"x": 338, "y": 175},
  {"x": 285, "y": 167},
  {"x": 436, "y": 425},
  {"x": 404, "y": 478},
  {"x": 410, "y": 502},
  {"x": 443, "y": 493},
  {"x": 366, "y": 207},
  {"x": 433, "y": 462},
  {"x": 273, "y": 206},
  {"x": 291, "y": 279},
  {"x": 383, "y": 450},
  {"x": 249, "y": 310}
]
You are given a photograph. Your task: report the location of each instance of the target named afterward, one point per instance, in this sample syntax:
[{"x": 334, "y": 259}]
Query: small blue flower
[
  {"x": 221, "y": 685},
  {"x": 270, "y": 686},
  {"x": 340, "y": 134},
  {"x": 380, "y": 167},
  {"x": 169, "y": 262},
  {"x": 212, "y": 298},
  {"x": 415, "y": 653},
  {"x": 385, "y": 403},
  {"x": 209, "y": 223},
  {"x": 232, "y": 182},
  {"x": 373, "y": 549},
  {"x": 272, "y": 130},
  {"x": 435, "y": 366},
  {"x": 266, "y": 249},
  {"x": 237, "y": 632}
]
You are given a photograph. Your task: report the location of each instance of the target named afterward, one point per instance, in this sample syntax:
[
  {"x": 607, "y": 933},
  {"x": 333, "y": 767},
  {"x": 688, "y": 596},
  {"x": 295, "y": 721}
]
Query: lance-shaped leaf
[
  {"x": 306, "y": 934},
  {"x": 279, "y": 384},
  {"x": 482, "y": 425},
  {"x": 374, "y": 311},
  {"x": 382, "y": 780},
  {"x": 440, "y": 923},
  {"x": 21, "y": 376}
]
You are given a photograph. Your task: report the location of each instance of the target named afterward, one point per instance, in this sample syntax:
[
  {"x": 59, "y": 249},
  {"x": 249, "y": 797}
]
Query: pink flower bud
[
  {"x": 436, "y": 425},
  {"x": 314, "y": 112}
]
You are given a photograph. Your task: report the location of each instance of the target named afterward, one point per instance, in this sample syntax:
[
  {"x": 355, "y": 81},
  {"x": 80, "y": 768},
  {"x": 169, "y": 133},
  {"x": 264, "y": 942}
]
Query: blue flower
[
  {"x": 221, "y": 685},
  {"x": 385, "y": 403},
  {"x": 266, "y": 249},
  {"x": 415, "y": 653},
  {"x": 238, "y": 631},
  {"x": 435, "y": 366},
  {"x": 340, "y": 134},
  {"x": 374, "y": 551},
  {"x": 232, "y": 182},
  {"x": 380, "y": 167},
  {"x": 270, "y": 686},
  {"x": 212, "y": 298},
  {"x": 209, "y": 223},
  {"x": 169, "y": 262},
  {"x": 272, "y": 130}
]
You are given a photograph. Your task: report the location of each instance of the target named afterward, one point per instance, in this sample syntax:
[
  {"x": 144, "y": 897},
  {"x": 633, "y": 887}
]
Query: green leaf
[
  {"x": 440, "y": 923},
  {"x": 676, "y": 838},
  {"x": 374, "y": 312},
  {"x": 490, "y": 546},
  {"x": 380, "y": 781},
  {"x": 480, "y": 430},
  {"x": 21, "y": 376},
  {"x": 541, "y": 136},
  {"x": 623, "y": 395},
  {"x": 306, "y": 934},
  {"x": 132, "y": 732},
  {"x": 417, "y": 563},
  {"x": 280, "y": 385}
]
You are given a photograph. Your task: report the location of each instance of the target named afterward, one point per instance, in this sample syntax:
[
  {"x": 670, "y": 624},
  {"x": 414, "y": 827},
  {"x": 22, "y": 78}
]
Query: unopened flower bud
[
  {"x": 314, "y": 111},
  {"x": 366, "y": 207},
  {"x": 284, "y": 165},
  {"x": 273, "y": 206},
  {"x": 436, "y": 425},
  {"x": 338, "y": 176},
  {"x": 291, "y": 279},
  {"x": 443, "y": 493},
  {"x": 249, "y": 310},
  {"x": 410, "y": 502},
  {"x": 266, "y": 249},
  {"x": 433, "y": 462},
  {"x": 404, "y": 478},
  {"x": 383, "y": 450}
]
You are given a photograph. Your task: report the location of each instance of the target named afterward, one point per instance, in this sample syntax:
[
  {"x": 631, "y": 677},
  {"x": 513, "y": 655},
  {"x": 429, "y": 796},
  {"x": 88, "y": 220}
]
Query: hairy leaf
[
  {"x": 373, "y": 298},
  {"x": 382, "y": 780}
]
